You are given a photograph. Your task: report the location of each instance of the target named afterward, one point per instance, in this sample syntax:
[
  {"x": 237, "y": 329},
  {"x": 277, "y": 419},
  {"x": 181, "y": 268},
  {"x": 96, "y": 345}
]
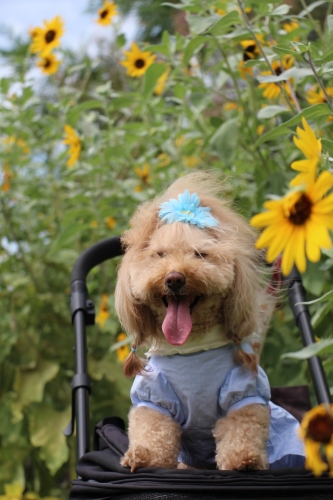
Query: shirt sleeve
[
  {"x": 153, "y": 390},
  {"x": 242, "y": 388}
]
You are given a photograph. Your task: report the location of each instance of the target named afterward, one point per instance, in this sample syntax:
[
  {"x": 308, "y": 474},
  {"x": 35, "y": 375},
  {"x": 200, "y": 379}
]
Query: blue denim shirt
[{"x": 197, "y": 389}]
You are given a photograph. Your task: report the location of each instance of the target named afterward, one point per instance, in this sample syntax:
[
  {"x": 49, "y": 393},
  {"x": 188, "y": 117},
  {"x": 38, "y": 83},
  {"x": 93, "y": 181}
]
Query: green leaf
[
  {"x": 282, "y": 50},
  {"x": 265, "y": 1},
  {"x": 200, "y": 24},
  {"x": 30, "y": 385},
  {"x": 77, "y": 67},
  {"x": 329, "y": 21},
  {"x": 224, "y": 140},
  {"x": 300, "y": 47},
  {"x": 324, "y": 298},
  {"x": 84, "y": 106},
  {"x": 68, "y": 234},
  {"x": 311, "y": 7},
  {"x": 281, "y": 10},
  {"x": 46, "y": 433},
  {"x": 327, "y": 146},
  {"x": 228, "y": 20},
  {"x": 312, "y": 112},
  {"x": 327, "y": 68},
  {"x": 270, "y": 111},
  {"x": 321, "y": 313},
  {"x": 295, "y": 73},
  {"x": 121, "y": 40},
  {"x": 152, "y": 74},
  {"x": 322, "y": 347},
  {"x": 192, "y": 47}
]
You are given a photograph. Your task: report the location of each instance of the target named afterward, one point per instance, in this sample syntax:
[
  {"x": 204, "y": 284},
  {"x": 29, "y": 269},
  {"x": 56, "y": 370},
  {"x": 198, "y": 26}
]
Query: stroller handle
[
  {"x": 83, "y": 314},
  {"x": 95, "y": 255}
]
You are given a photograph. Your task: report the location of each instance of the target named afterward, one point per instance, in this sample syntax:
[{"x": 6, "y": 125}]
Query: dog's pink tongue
[{"x": 177, "y": 324}]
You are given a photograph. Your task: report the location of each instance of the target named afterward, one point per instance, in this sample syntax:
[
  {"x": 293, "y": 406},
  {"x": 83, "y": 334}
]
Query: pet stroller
[{"x": 100, "y": 475}]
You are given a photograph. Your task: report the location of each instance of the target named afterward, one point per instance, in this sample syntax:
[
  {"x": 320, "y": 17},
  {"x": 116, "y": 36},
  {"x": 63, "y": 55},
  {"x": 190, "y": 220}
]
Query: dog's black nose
[{"x": 174, "y": 281}]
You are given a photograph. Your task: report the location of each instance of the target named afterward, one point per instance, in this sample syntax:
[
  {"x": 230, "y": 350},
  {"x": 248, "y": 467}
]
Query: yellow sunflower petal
[
  {"x": 266, "y": 218},
  {"x": 279, "y": 243},
  {"x": 323, "y": 206},
  {"x": 313, "y": 460},
  {"x": 299, "y": 240},
  {"x": 305, "y": 165},
  {"x": 266, "y": 237},
  {"x": 323, "y": 184},
  {"x": 317, "y": 231},
  {"x": 307, "y": 141},
  {"x": 288, "y": 257}
]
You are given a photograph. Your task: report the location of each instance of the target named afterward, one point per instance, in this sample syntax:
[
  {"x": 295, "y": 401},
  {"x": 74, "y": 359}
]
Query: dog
[{"x": 190, "y": 287}]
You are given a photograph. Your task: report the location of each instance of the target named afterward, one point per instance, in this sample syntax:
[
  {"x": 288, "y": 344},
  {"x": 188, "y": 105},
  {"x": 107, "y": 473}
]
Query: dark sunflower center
[
  {"x": 278, "y": 71},
  {"x": 321, "y": 428},
  {"x": 50, "y": 36},
  {"x": 104, "y": 13},
  {"x": 249, "y": 52},
  {"x": 301, "y": 211},
  {"x": 139, "y": 63},
  {"x": 47, "y": 62}
]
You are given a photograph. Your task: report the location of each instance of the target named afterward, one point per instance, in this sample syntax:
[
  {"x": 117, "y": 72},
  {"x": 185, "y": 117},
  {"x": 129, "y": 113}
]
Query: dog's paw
[
  {"x": 242, "y": 461},
  {"x": 253, "y": 462},
  {"x": 136, "y": 457}
]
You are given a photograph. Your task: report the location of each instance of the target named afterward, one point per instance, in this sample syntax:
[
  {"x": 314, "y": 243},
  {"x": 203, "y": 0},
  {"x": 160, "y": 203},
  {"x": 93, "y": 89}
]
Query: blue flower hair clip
[{"x": 187, "y": 209}]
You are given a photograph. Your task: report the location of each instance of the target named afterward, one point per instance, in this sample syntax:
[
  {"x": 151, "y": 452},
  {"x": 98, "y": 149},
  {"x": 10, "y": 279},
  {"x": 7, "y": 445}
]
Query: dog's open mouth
[{"x": 177, "y": 324}]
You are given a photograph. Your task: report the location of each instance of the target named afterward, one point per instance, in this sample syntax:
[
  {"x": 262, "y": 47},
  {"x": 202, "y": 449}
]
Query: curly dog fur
[{"x": 224, "y": 281}]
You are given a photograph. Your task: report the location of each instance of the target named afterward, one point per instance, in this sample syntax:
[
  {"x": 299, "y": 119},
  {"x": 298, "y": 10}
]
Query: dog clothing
[{"x": 197, "y": 389}]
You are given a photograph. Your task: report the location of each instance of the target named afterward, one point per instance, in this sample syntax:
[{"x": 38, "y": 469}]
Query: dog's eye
[
  {"x": 200, "y": 255},
  {"x": 160, "y": 254}
]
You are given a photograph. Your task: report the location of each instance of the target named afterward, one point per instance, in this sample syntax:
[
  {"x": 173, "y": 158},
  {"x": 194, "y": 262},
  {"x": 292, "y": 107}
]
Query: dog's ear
[
  {"x": 136, "y": 318},
  {"x": 241, "y": 308}
]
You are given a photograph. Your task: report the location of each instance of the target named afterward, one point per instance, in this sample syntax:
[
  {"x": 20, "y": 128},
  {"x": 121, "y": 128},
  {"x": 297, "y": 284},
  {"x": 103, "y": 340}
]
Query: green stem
[
  {"x": 319, "y": 80},
  {"x": 243, "y": 104},
  {"x": 316, "y": 26},
  {"x": 249, "y": 27}
]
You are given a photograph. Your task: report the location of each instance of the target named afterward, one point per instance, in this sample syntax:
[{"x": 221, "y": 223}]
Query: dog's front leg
[
  {"x": 241, "y": 439},
  {"x": 154, "y": 440}
]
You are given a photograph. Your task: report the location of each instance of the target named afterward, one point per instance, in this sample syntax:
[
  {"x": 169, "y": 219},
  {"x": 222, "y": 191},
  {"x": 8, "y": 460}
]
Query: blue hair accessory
[{"x": 187, "y": 209}]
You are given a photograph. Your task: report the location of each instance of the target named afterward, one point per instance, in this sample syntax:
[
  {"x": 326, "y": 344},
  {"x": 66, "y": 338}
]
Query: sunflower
[
  {"x": 316, "y": 430},
  {"x": 163, "y": 160},
  {"x": 298, "y": 224},
  {"x": 33, "y": 32},
  {"x": 123, "y": 351},
  {"x": 6, "y": 176},
  {"x": 315, "y": 95},
  {"x": 310, "y": 146},
  {"x": 137, "y": 62},
  {"x": 290, "y": 26},
  {"x": 49, "y": 64},
  {"x": 110, "y": 222},
  {"x": 161, "y": 81},
  {"x": 250, "y": 47},
  {"x": 143, "y": 173},
  {"x": 47, "y": 38},
  {"x": 72, "y": 139},
  {"x": 106, "y": 13},
  {"x": 103, "y": 313},
  {"x": 271, "y": 89}
]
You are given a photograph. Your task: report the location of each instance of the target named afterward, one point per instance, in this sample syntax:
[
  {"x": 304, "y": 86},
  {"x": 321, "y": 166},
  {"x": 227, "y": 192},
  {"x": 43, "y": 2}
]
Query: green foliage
[{"x": 135, "y": 141}]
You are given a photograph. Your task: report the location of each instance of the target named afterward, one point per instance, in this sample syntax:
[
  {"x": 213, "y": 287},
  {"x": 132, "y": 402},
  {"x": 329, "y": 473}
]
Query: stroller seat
[{"x": 100, "y": 475}]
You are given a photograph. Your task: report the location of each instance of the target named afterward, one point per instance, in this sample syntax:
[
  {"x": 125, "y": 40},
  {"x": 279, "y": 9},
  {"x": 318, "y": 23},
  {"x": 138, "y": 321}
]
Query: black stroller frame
[{"x": 83, "y": 315}]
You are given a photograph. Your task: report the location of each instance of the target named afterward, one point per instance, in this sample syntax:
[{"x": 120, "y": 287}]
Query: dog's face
[
  {"x": 179, "y": 280},
  {"x": 183, "y": 275}
]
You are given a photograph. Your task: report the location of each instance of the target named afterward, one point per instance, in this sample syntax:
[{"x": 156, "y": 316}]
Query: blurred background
[{"x": 92, "y": 125}]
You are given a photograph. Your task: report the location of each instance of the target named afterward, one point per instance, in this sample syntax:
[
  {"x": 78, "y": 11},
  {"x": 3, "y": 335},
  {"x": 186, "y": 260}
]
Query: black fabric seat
[{"x": 101, "y": 476}]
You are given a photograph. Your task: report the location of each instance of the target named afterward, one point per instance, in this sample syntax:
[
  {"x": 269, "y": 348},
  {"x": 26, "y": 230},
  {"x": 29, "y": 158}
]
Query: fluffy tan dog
[{"x": 193, "y": 294}]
